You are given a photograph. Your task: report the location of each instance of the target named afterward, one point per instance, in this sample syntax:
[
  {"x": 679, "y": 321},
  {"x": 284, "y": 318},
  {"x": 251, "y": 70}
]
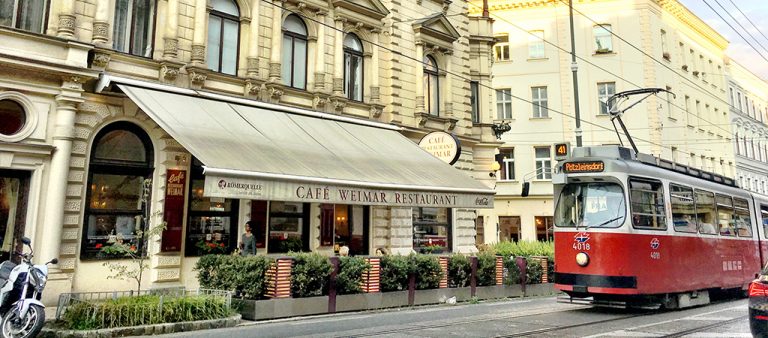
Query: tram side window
[
  {"x": 764, "y": 214},
  {"x": 683, "y": 209},
  {"x": 725, "y": 215},
  {"x": 741, "y": 217},
  {"x": 647, "y": 200},
  {"x": 705, "y": 212}
]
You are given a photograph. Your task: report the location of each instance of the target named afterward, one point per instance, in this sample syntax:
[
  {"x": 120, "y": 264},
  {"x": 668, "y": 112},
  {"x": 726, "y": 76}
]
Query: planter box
[
  {"x": 290, "y": 307},
  {"x": 149, "y": 330}
]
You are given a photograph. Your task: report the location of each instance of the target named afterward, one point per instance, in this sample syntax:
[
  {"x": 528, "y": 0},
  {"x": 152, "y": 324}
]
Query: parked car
[{"x": 758, "y": 305}]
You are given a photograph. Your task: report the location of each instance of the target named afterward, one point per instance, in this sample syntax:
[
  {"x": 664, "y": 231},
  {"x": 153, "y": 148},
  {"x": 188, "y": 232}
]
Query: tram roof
[{"x": 616, "y": 152}]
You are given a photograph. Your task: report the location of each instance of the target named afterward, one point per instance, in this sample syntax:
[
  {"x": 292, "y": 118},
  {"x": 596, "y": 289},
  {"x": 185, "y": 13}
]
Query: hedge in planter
[
  {"x": 459, "y": 271},
  {"x": 394, "y": 273},
  {"x": 244, "y": 275},
  {"x": 486, "y": 269},
  {"x": 427, "y": 270},
  {"x": 350, "y": 275},
  {"x": 533, "y": 271},
  {"x": 310, "y": 275}
]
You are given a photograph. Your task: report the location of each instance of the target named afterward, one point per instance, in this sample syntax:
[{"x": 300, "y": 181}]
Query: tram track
[
  {"x": 704, "y": 328},
  {"x": 566, "y": 327}
]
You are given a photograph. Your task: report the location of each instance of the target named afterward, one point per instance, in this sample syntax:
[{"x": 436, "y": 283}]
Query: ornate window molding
[
  {"x": 437, "y": 31},
  {"x": 30, "y": 121}
]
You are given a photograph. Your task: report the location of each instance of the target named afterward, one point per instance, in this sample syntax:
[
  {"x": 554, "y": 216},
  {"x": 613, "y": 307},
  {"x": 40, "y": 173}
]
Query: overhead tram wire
[
  {"x": 458, "y": 76},
  {"x": 499, "y": 18},
  {"x": 735, "y": 30},
  {"x": 703, "y": 90},
  {"x": 750, "y": 21}
]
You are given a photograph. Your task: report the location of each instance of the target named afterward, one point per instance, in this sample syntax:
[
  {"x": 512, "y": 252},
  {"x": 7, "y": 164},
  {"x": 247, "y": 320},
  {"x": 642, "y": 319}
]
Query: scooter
[{"x": 23, "y": 315}]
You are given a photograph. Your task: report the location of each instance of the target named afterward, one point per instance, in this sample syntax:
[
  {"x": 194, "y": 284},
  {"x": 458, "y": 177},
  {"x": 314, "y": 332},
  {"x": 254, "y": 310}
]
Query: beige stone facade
[
  {"x": 666, "y": 46},
  {"x": 52, "y": 72}
]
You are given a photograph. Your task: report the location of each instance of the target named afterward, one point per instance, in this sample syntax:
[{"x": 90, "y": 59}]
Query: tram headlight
[{"x": 582, "y": 259}]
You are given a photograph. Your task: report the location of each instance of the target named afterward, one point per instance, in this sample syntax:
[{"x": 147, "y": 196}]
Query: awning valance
[{"x": 256, "y": 150}]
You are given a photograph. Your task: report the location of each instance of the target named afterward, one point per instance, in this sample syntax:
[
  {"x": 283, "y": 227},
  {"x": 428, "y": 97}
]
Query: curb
[{"x": 144, "y": 330}]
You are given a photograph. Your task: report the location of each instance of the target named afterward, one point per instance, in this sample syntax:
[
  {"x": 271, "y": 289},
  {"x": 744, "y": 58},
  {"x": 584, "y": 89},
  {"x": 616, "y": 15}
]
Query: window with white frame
[
  {"x": 501, "y": 48},
  {"x": 506, "y": 159},
  {"x": 431, "y": 86},
  {"x": 353, "y": 68},
  {"x": 543, "y": 163},
  {"x": 504, "y": 104},
  {"x": 540, "y": 104},
  {"x": 603, "y": 41},
  {"x": 29, "y": 15},
  {"x": 474, "y": 96},
  {"x": 294, "y": 67},
  {"x": 604, "y": 91},
  {"x": 536, "y": 44},
  {"x": 134, "y": 20}
]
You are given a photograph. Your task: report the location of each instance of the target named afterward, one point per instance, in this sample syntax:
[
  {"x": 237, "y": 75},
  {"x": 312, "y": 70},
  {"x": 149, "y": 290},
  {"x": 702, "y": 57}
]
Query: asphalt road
[{"x": 533, "y": 317}]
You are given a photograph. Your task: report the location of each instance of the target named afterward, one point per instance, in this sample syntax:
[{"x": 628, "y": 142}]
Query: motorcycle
[{"x": 23, "y": 315}]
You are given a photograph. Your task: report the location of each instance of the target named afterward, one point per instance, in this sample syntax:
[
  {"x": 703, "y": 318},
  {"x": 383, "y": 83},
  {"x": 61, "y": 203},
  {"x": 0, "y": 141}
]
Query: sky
[{"x": 756, "y": 11}]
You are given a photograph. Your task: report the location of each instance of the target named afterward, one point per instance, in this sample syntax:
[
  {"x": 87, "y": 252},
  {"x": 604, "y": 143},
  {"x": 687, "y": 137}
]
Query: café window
[
  {"x": 431, "y": 230},
  {"x": 29, "y": 15},
  {"x": 134, "y": 21},
  {"x": 121, "y": 164},
  {"x": 288, "y": 227},
  {"x": 344, "y": 225},
  {"x": 544, "y": 228},
  {"x": 212, "y": 221},
  {"x": 509, "y": 228}
]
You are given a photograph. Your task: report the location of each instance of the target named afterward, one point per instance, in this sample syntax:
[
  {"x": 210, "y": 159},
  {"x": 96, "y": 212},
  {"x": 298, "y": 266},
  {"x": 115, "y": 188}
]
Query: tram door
[
  {"x": 14, "y": 189},
  {"x": 763, "y": 226}
]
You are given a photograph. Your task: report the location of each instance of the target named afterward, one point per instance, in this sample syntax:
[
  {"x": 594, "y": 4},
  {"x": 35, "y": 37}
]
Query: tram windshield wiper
[{"x": 606, "y": 222}]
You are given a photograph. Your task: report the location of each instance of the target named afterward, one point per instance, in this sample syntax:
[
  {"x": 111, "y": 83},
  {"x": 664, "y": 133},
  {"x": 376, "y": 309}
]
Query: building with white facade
[
  {"x": 655, "y": 44},
  {"x": 306, "y": 112}
]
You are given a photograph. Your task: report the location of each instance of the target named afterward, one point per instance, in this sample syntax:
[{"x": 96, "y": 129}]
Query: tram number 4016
[
  {"x": 655, "y": 255},
  {"x": 581, "y": 246}
]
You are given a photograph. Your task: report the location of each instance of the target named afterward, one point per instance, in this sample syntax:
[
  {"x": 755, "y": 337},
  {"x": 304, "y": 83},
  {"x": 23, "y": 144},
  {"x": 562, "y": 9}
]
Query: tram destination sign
[{"x": 583, "y": 167}]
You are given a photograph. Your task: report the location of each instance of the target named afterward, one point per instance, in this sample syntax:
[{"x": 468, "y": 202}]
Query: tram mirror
[{"x": 526, "y": 189}]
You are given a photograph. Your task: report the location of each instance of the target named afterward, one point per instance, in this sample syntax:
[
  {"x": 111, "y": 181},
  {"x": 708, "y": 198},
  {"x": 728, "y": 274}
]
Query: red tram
[{"x": 634, "y": 229}]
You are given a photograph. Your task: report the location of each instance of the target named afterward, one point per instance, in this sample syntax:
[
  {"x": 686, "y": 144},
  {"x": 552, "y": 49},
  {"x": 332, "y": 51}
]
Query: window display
[
  {"x": 431, "y": 230},
  {"x": 288, "y": 227},
  {"x": 212, "y": 221}
]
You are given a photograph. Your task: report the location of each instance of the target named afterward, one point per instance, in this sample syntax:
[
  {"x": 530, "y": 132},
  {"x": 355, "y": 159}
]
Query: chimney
[{"x": 486, "y": 14}]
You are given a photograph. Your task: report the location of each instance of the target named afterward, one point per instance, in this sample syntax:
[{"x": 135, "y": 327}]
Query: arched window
[
  {"x": 294, "y": 52},
  {"x": 120, "y": 163},
  {"x": 353, "y": 68},
  {"x": 431, "y": 86},
  {"x": 134, "y": 22},
  {"x": 29, "y": 15},
  {"x": 223, "y": 36},
  {"x": 738, "y": 148}
]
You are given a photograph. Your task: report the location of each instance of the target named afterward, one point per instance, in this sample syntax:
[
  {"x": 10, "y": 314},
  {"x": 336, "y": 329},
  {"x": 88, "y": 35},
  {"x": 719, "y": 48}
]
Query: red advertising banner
[{"x": 173, "y": 215}]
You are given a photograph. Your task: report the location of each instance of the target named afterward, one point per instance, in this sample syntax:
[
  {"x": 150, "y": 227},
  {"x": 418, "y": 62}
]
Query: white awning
[{"x": 256, "y": 150}]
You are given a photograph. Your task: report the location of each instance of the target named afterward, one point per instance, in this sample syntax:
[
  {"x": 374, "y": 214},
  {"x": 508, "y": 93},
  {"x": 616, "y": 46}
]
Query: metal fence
[{"x": 121, "y": 311}]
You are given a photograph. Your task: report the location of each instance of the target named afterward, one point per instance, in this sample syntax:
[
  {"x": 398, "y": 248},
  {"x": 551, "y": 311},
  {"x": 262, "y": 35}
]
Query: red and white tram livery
[{"x": 631, "y": 228}]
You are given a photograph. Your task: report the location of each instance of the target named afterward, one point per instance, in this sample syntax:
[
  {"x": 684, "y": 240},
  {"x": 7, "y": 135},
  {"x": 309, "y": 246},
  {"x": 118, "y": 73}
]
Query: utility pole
[{"x": 574, "y": 70}]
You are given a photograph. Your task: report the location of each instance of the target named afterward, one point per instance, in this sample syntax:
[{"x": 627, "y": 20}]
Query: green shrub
[
  {"x": 350, "y": 274},
  {"x": 143, "y": 310},
  {"x": 523, "y": 248},
  {"x": 533, "y": 271},
  {"x": 244, "y": 275},
  {"x": 486, "y": 269},
  {"x": 428, "y": 271},
  {"x": 394, "y": 273},
  {"x": 310, "y": 275},
  {"x": 459, "y": 271}
]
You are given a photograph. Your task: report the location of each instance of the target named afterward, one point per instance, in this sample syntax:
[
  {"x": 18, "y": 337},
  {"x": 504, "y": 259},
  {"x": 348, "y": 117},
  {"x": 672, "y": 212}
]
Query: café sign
[
  {"x": 442, "y": 145},
  {"x": 289, "y": 191}
]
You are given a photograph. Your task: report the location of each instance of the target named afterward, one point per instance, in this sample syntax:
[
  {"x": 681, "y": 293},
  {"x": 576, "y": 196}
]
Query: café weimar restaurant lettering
[{"x": 301, "y": 192}]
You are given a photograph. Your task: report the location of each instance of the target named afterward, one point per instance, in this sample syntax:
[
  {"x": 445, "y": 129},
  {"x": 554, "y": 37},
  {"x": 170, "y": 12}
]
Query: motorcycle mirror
[
  {"x": 55, "y": 261},
  {"x": 26, "y": 240}
]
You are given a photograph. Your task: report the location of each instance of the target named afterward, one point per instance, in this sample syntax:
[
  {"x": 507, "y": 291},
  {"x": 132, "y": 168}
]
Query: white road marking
[
  {"x": 718, "y": 335},
  {"x": 326, "y": 320}
]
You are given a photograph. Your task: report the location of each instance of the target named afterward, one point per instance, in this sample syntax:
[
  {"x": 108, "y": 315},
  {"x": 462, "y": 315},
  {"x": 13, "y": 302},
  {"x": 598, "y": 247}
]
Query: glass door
[{"x": 14, "y": 189}]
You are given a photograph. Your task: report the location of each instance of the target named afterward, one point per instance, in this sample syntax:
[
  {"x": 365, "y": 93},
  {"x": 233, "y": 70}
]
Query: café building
[{"x": 204, "y": 164}]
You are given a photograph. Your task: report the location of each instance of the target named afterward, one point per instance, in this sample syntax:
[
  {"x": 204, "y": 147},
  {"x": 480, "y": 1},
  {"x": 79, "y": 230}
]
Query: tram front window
[{"x": 593, "y": 205}]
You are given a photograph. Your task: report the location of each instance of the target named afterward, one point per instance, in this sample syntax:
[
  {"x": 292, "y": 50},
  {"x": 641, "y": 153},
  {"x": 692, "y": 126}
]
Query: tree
[{"x": 138, "y": 253}]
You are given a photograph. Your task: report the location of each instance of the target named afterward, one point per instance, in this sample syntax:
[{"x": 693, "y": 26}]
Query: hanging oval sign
[{"x": 442, "y": 145}]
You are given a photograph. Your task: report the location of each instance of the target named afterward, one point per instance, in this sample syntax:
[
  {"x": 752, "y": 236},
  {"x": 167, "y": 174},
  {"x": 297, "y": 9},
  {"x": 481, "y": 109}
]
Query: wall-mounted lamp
[
  {"x": 500, "y": 128},
  {"x": 495, "y": 166},
  {"x": 181, "y": 160}
]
